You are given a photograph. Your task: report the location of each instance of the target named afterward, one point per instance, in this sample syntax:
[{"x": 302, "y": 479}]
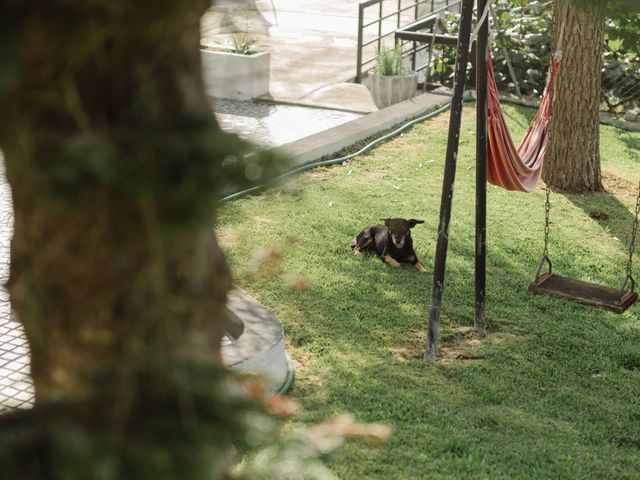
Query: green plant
[
  {"x": 389, "y": 62},
  {"x": 244, "y": 46},
  {"x": 525, "y": 32}
]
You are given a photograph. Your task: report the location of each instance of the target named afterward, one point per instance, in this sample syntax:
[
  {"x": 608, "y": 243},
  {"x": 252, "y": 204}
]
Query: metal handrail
[
  {"x": 366, "y": 44},
  {"x": 397, "y": 13},
  {"x": 426, "y": 41},
  {"x": 368, "y": 3},
  {"x": 432, "y": 17}
]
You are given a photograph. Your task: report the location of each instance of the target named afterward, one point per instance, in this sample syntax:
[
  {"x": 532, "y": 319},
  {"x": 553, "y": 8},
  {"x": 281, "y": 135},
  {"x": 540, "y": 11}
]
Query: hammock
[{"x": 510, "y": 167}]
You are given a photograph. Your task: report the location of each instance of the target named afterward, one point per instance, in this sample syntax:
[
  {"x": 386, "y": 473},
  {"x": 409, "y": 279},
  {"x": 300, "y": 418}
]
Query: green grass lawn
[{"x": 553, "y": 392}]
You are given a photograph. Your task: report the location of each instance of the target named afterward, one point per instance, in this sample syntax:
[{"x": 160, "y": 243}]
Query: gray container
[{"x": 389, "y": 89}]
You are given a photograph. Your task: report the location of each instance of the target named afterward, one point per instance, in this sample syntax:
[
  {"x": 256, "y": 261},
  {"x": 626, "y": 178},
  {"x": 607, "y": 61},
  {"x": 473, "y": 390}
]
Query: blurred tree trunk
[
  {"x": 115, "y": 161},
  {"x": 104, "y": 266},
  {"x": 573, "y": 155}
]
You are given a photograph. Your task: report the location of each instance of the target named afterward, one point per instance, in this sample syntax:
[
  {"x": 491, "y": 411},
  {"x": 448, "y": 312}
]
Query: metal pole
[
  {"x": 380, "y": 27},
  {"x": 360, "y": 41},
  {"x": 473, "y": 54},
  {"x": 482, "y": 52},
  {"x": 448, "y": 180},
  {"x": 505, "y": 52},
  {"x": 413, "y": 57}
]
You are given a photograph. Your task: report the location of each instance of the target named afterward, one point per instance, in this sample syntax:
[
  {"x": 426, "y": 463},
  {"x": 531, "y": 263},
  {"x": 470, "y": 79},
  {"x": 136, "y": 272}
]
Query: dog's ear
[
  {"x": 413, "y": 222},
  {"x": 385, "y": 220}
]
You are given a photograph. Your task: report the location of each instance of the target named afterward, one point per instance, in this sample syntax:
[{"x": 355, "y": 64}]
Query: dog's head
[{"x": 400, "y": 229}]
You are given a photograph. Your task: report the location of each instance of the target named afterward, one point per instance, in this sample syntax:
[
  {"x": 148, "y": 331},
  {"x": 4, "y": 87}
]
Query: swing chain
[
  {"x": 547, "y": 211},
  {"x": 547, "y": 222},
  {"x": 632, "y": 247}
]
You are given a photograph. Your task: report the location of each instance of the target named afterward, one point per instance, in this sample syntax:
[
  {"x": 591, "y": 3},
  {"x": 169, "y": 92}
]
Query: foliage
[
  {"x": 621, "y": 79},
  {"x": 243, "y": 45},
  {"x": 525, "y": 32},
  {"x": 150, "y": 427},
  {"x": 623, "y": 26},
  {"x": 534, "y": 400},
  {"x": 621, "y": 71},
  {"x": 299, "y": 455},
  {"x": 389, "y": 62},
  {"x": 206, "y": 424}
]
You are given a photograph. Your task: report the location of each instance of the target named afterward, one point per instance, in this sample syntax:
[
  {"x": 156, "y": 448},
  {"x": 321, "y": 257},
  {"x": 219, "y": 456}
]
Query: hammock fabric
[{"x": 510, "y": 167}]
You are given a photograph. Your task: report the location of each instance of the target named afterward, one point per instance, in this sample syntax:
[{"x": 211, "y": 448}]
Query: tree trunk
[
  {"x": 573, "y": 155},
  {"x": 115, "y": 161}
]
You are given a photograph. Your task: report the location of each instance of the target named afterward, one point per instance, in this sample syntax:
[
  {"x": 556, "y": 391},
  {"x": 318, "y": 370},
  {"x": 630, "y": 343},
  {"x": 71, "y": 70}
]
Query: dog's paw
[
  {"x": 420, "y": 268},
  {"x": 390, "y": 261}
]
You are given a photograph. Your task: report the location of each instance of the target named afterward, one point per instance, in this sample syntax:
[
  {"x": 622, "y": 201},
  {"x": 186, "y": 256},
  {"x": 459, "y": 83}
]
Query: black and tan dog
[{"x": 391, "y": 242}]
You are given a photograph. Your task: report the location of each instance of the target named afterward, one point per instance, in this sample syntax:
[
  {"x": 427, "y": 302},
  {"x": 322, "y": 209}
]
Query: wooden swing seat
[{"x": 585, "y": 293}]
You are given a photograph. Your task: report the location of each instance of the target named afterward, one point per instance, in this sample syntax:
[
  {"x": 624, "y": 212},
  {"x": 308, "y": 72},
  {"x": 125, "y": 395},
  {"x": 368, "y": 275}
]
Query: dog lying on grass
[{"x": 391, "y": 242}]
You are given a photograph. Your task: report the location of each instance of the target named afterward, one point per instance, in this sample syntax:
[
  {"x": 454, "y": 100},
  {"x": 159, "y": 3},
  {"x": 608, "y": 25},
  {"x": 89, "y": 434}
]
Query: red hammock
[{"x": 508, "y": 167}]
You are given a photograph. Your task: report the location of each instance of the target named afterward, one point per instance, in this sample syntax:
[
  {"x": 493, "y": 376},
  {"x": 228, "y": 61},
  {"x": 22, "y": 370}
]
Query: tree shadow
[
  {"x": 608, "y": 212},
  {"x": 521, "y": 118},
  {"x": 631, "y": 141}
]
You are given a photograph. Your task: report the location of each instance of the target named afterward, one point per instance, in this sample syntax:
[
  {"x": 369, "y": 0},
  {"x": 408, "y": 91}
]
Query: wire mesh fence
[{"x": 16, "y": 387}]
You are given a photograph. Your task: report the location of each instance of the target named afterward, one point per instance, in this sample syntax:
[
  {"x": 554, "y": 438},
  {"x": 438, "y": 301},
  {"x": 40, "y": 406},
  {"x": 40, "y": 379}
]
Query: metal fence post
[
  {"x": 360, "y": 40},
  {"x": 380, "y": 27}
]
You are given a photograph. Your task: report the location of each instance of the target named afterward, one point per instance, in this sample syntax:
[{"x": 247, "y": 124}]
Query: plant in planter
[
  {"x": 244, "y": 45},
  {"x": 239, "y": 72},
  {"x": 390, "y": 81}
]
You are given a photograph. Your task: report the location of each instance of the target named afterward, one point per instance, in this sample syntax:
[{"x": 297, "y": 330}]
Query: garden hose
[
  {"x": 346, "y": 158},
  {"x": 384, "y": 138}
]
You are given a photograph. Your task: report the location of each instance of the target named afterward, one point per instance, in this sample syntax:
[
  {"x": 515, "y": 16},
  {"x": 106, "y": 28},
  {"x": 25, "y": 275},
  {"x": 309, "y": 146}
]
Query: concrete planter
[
  {"x": 387, "y": 90},
  {"x": 231, "y": 75},
  {"x": 260, "y": 348}
]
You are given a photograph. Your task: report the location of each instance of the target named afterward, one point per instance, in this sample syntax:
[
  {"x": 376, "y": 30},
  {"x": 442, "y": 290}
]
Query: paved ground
[
  {"x": 274, "y": 124},
  {"x": 315, "y": 42},
  {"x": 312, "y": 46}
]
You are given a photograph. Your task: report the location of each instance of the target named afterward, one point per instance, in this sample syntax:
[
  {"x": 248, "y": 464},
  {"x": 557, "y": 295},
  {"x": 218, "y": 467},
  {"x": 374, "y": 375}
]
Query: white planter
[
  {"x": 260, "y": 349},
  {"x": 387, "y": 90},
  {"x": 231, "y": 75}
]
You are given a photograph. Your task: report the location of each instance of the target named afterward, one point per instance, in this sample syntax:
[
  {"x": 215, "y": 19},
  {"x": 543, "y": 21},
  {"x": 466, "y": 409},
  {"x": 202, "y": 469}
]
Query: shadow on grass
[
  {"x": 532, "y": 402},
  {"x": 609, "y": 213},
  {"x": 631, "y": 141},
  {"x": 539, "y": 387}
]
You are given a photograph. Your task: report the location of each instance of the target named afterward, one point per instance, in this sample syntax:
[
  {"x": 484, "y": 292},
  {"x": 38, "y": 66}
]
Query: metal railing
[
  {"x": 387, "y": 23},
  {"x": 422, "y": 39}
]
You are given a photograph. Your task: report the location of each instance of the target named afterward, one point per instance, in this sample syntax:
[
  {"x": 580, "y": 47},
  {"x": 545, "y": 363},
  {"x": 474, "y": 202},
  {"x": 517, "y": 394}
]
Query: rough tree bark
[
  {"x": 573, "y": 155},
  {"x": 115, "y": 161}
]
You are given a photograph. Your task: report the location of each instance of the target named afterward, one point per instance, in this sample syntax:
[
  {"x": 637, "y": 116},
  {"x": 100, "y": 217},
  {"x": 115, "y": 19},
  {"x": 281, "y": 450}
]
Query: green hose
[
  {"x": 336, "y": 161},
  {"x": 384, "y": 138}
]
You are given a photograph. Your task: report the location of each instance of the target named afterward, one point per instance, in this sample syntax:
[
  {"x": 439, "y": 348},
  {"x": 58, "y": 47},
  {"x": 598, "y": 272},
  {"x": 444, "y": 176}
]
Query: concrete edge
[
  {"x": 304, "y": 103},
  {"x": 329, "y": 142}
]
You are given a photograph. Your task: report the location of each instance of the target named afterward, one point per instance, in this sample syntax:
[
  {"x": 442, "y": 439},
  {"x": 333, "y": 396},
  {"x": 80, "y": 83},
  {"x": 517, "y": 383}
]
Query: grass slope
[{"x": 554, "y": 392}]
